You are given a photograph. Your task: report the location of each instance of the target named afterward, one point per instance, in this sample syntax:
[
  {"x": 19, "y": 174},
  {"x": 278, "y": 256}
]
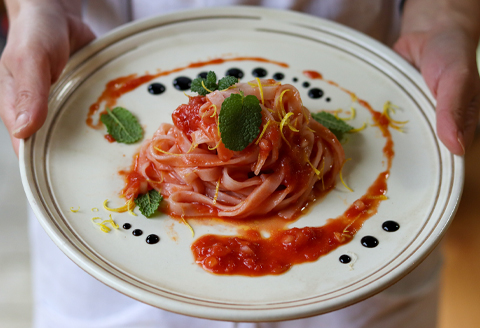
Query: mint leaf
[
  {"x": 336, "y": 125},
  {"x": 226, "y": 82},
  {"x": 149, "y": 202},
  {"x": 239, "y": 121},
  {"x": 122, "y": 125},
  {"x": 210, "y": 83},
  {"x": 198, "y": 87}
]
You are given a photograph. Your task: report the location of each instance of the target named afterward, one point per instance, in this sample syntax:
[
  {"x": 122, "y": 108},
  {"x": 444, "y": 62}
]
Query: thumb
[
  {"x": 447, "y": 62},
  {"x": 80, "y": 34},
  {"x": 32, "y": 77},
  {"x": 37, "y": 60}
]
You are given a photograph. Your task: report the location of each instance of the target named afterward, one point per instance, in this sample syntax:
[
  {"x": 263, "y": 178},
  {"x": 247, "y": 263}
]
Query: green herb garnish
[
  {"x": 239, "y": 121},
  {"x": 210, "y": 83},
  {"x": 122, "y": 125},
  {"x": 149, "y": 202},
  {"x": 226, "y": 82},
  {"x": 334, "y": 124}
]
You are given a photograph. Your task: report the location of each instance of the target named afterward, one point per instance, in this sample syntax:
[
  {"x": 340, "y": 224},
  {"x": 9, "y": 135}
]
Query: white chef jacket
[
  {"x": 378, "y": 18},
  {"x": 67, "y": 297}
]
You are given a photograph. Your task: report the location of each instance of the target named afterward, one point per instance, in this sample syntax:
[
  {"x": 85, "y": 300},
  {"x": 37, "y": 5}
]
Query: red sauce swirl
[{"x": 251, "y": 254}]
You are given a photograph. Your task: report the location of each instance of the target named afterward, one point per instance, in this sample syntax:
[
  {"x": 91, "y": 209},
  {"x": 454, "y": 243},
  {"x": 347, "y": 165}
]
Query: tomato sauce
[
  {"x": 110, "y": 138},
  {"x": 133, "y": 181},
  {"x": 186, "y": 117},
  {"x": 250, "y": 253},
  {"x": 253, "y": 255},
  {"x": 119, "y": 86}
]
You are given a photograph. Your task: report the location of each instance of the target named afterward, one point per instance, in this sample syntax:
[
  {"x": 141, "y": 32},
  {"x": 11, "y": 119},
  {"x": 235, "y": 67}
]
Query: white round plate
[{"x": 67, "y": 164}]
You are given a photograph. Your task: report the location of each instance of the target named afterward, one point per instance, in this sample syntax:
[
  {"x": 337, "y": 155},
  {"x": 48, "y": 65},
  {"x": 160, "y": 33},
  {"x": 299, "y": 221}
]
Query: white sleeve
[{"x": 104, "y": 15}]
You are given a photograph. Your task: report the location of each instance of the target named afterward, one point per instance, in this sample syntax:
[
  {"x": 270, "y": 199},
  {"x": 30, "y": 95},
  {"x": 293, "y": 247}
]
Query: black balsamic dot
[
  {"x": 315, "y": 93},
  {"x": 345, "y": 259},
  {"x": 156, "y": 88},
  {"x": 390, "y": 226},
  {"x": 152, "y": 239},
  {"x": 203, "y": 75},
  {"x": 306, "y": 84},
  {"x": 182, "y": 83},
  {"x": 236, "y": 72},
  {"x": 295, "y": 79},
  {"x": 137, "y": 232},
  {"x": 369, "y": 241},
  {"x": 259, "y": 72},
  {"x": 328, "y": 99},
  {"x": 127, "y": 226},
  {"x": 278, "y": 76}
]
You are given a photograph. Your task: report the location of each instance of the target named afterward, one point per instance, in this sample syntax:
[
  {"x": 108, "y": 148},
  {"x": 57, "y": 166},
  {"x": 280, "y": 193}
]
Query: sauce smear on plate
[{"x": 250, "y": 253}]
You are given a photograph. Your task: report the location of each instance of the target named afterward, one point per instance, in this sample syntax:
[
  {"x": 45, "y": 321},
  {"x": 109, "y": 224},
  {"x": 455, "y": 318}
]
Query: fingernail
[
  {"x": 23, "y": 119},
  {"x": 461, "y": 141}
]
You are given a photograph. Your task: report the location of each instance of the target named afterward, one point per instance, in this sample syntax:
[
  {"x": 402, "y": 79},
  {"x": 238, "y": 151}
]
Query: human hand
[
  {"x": 440, "y": 38},
  {"x": 42, "y": 35}
]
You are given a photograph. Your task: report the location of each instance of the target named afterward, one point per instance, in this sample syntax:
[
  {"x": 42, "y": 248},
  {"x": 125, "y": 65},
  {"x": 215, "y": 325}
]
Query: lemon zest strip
[
  {"x": 335, "y": 112},
  {"x": 292, "y": 127},
  {"x": 216, "y": 191},
  {"x": 363, "y": 127},
  {"x": 121, "y": 209},
  {"x": 113, "y": 223},
  {"x": 214, "y": 110},
  {"x": 394, "y": 121},
  {"x": 351, "y": 117},
  {"x": 203, "y": 85},
  {"x": 213, "y": 148},
  {"x": 189, "y": 226},
  {"x": 73, "y": 210},
  {"x": 204, "y": 113},
  {"x": 131, "y": 206},
  {"x": 260, "y": 89},
  {"x": 280, "y": 99},
  {"x": 263, "y": 132},
  {"x": 166, "y": 152},
  {"x": 317, "y": 172},
  {"x": 378, "y": 197},
  {"x": 230, "y": 87},
  {"x": 94, "y": 209},
  {"x": 387, "y": 107},
  {"x": 350, "y": 224},
  {"x": 192, "y": 147},
  {"x": 282, "y": 123},
  {"x": 155, "y": 181},
  {"x": 341, "y": 177},
  {"x": 396, "y": 127},
  {"x": 103, "y": 227}
]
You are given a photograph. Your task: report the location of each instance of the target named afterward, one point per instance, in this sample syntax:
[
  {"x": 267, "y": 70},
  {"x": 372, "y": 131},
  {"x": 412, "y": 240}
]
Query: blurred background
[{"x": 460, "y": 293}]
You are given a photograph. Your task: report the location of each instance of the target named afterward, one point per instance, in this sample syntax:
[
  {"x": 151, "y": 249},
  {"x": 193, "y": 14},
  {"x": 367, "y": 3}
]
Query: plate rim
[{"x": 195, "y": 309}]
